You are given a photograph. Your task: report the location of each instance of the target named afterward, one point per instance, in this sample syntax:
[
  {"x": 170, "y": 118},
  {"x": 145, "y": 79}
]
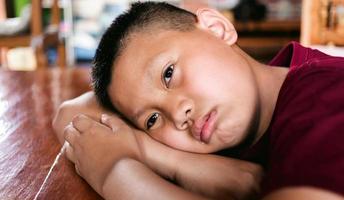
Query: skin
[
  {"x": 88, "y": 132},
  {"x": 207, "y": 69}
]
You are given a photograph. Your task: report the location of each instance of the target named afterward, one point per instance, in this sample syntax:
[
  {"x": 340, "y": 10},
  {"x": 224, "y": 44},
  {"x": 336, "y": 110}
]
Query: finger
[
  {"x": 82, "y": 123},
  {"x": 111, "y": 121},
  {"x": 70, "y": 134},
  {"x": 70, "y": 152}
]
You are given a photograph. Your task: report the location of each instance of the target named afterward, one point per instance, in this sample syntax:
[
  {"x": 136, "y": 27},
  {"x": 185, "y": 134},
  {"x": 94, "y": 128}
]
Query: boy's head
[
  {"x": 142, "y": 17},
  {"x": 178, "y": 76}
]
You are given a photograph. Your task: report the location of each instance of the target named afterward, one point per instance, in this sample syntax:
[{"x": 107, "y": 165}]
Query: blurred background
[{"x": 65, "y": 33}]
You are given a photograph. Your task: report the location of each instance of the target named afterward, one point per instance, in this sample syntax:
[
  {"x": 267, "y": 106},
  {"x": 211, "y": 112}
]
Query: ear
[{"x": 213, "y": 21}]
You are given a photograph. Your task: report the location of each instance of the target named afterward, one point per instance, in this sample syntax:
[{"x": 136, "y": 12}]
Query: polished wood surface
[{"x": 28, "y": 145}]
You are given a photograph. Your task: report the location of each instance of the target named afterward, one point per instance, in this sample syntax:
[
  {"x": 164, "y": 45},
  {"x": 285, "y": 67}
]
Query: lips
[{"x": 203, "y": 127}]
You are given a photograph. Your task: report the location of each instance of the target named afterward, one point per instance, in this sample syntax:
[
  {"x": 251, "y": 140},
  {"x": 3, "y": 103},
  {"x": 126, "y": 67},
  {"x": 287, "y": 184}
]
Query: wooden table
[{"x": 28, "y": 145}]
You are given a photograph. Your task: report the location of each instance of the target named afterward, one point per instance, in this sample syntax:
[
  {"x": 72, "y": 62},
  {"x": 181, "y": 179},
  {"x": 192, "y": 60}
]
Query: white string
[{"x": 50, "y": 170}]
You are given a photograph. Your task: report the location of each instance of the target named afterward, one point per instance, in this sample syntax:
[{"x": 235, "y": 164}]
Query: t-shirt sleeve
[{"x": 307, "y": 138}]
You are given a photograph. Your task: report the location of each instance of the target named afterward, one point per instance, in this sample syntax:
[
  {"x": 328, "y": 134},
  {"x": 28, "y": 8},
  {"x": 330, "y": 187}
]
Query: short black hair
[{"x": 139, "y": 18}]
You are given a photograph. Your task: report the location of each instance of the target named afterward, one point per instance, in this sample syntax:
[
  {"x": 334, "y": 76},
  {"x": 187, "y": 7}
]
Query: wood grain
[{"x": 28, "y": 145}]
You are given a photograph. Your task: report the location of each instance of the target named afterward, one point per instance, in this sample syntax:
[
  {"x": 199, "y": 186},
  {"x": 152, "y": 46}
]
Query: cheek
[
  {"x": 183, "y": 141},
  {"x": 236, "y": 117},
  {"x": 211, "y": 77},
  {"x": 171, "y": 137},
  {"x": 205, "y": 83},
  {"x": 230, "y": 132}
]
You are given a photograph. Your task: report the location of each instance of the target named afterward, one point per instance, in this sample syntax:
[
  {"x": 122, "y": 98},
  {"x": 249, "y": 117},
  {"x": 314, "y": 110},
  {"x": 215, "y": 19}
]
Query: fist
[{"x": 95, "y": 146}]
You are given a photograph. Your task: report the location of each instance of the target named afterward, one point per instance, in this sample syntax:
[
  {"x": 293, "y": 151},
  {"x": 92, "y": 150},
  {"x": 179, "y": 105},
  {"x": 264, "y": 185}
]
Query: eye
[
  {"x": 167, "y": 75},
  {"x": 151, "y": 120}
]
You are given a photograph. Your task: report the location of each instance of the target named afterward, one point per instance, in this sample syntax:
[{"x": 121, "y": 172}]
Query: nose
[{"x": 181, "y": 113}]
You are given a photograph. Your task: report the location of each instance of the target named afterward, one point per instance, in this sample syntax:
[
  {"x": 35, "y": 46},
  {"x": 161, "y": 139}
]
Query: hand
[{"x": 95, "y": 147}]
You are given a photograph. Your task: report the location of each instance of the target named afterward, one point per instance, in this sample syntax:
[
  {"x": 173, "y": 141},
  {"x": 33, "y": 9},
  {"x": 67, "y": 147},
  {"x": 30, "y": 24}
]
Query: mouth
[{"x": 203, "y": 128}]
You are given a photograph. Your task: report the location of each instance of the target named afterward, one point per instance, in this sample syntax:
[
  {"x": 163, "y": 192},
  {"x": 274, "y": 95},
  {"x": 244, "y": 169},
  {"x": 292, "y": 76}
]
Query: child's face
[{"x": 192, "y": 89}]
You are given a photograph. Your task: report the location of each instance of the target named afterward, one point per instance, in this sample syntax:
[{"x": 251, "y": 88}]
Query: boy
[{"x": 180, "y": 79}]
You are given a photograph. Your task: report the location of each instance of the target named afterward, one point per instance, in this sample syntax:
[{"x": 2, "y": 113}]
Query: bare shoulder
[
  {"x": 86, "y": 99},
  {"x": 83, "y": 104},
  {"x": 305, "y": 193}
]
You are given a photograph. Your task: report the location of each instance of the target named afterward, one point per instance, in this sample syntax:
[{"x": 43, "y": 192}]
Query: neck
[{"x": 269, "y": 82}]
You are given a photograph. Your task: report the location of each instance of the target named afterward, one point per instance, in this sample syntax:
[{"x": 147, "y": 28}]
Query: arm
[
  {"x": 303, "y": 193},
  {"x": 210, "y": 175},
  {"x": 216, "y": 177},
  {"x": 129, "y": 173},
  {"x": 108, "y": 160}
]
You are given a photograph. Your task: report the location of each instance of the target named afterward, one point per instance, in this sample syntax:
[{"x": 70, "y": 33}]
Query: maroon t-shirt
[{"x": 304, "y": 145}]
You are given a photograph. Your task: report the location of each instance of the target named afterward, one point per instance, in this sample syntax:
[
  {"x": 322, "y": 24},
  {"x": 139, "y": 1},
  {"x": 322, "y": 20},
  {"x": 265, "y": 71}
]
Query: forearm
[
  {"x": 217, "y": 176},
  {"x": 130, "y": 179},
  {"x": 303, "y": 193},
  {"x": 226, "y": 175},
  {"x": 120, "y": 177},
  {"x": 206, "y": 174}
]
